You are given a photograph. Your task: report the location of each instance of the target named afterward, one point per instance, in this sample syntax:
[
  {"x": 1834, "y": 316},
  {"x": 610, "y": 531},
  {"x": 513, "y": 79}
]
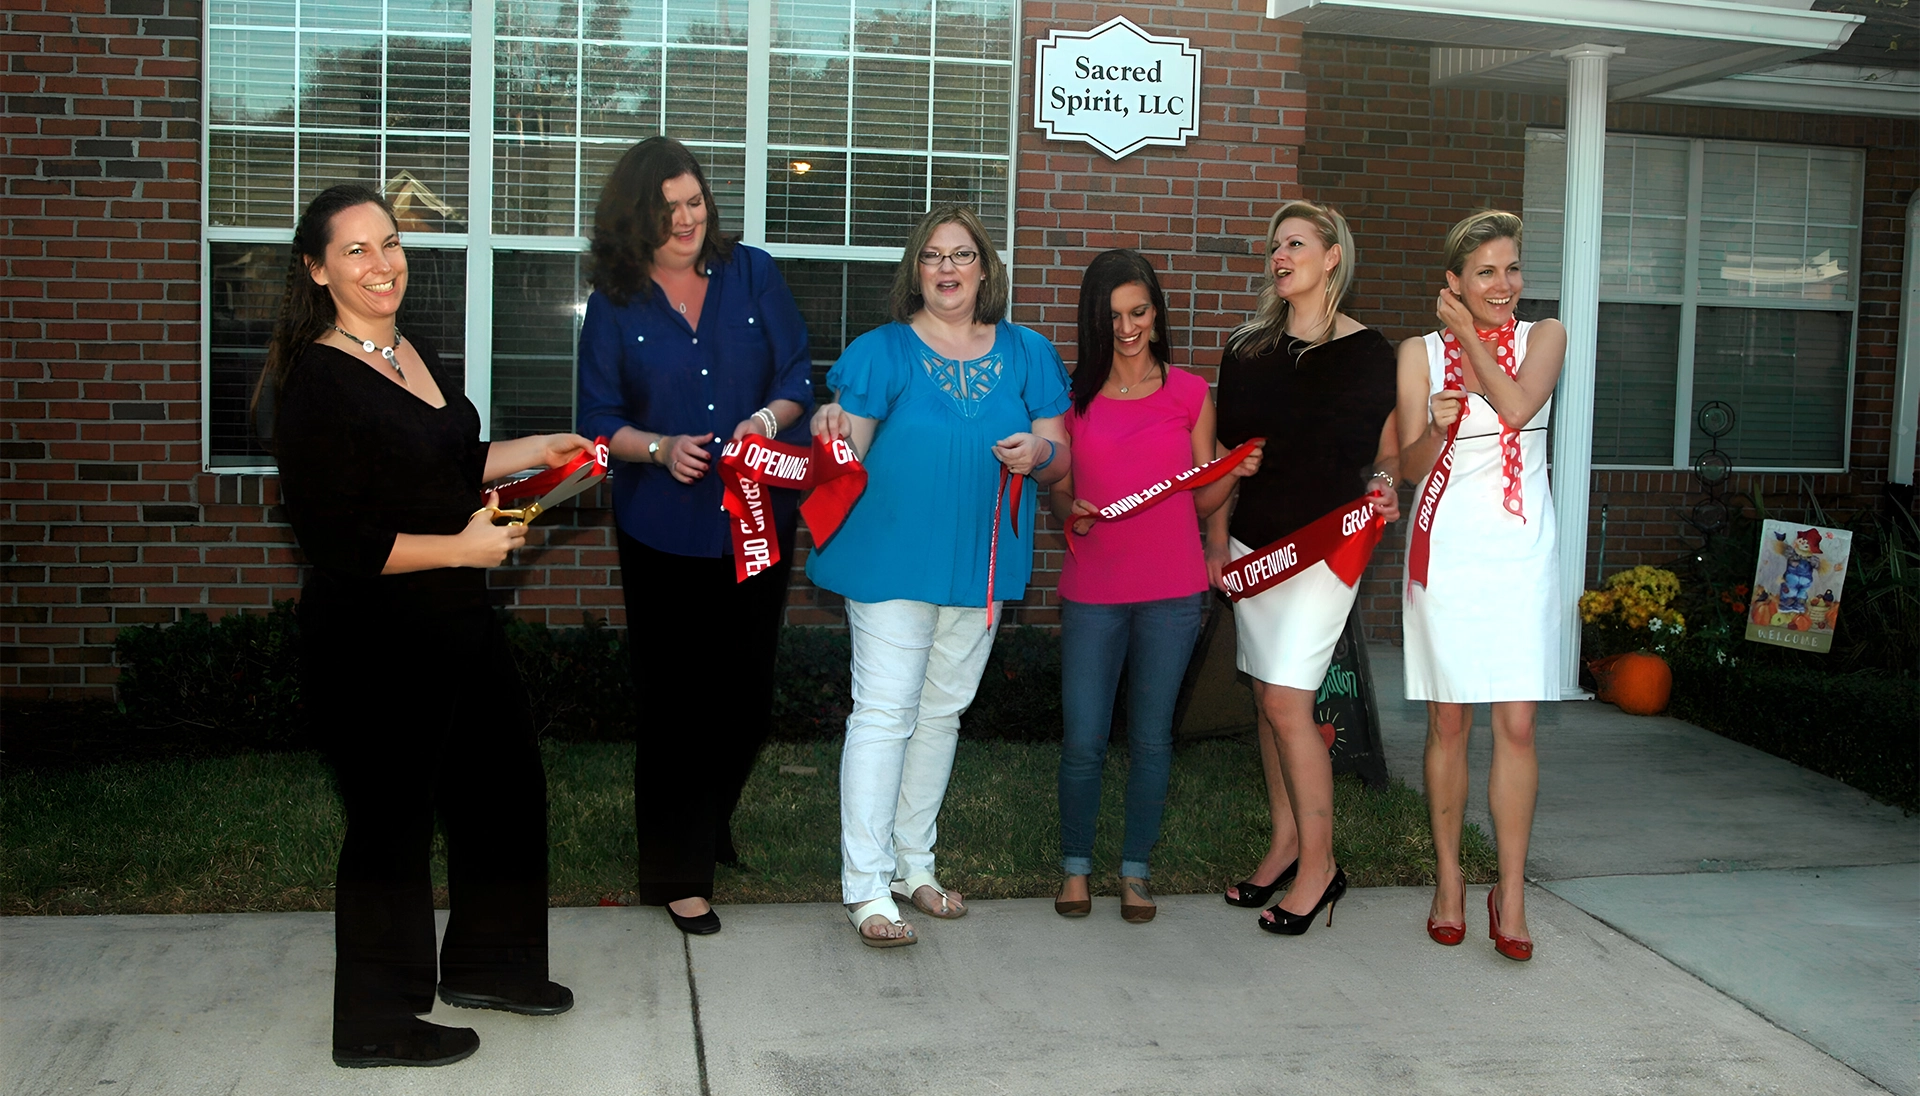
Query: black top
[
  {"x": 1321, "y": 412},
  {"x": 362, "y": 459}
]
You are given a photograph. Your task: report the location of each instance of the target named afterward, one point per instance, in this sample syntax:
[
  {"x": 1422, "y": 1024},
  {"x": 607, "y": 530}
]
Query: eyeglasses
[{"x": 961, "y": 257}]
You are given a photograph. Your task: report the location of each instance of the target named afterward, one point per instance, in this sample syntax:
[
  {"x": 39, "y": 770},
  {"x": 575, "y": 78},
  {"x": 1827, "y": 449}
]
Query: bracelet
[
  {"x": 768, "y": 419},
  {"x": 1388, "y": 476},
  {"x": 1052, "y": 452}
]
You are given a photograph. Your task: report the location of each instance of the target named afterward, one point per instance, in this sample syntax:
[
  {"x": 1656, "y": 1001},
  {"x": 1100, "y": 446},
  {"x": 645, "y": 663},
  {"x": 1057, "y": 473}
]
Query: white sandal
[
  {"x": 909, "y": 888},
  {"x": 880, "y": 907}
]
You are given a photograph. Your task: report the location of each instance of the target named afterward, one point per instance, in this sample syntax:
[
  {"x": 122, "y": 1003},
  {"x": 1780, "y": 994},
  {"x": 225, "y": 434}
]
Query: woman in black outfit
[
  {"x": 404, "y": 668},
  {"x": 1320, "y": 387}
]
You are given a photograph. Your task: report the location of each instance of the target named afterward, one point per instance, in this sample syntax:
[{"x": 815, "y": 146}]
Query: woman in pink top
[{"x": 1132, "y": 589}]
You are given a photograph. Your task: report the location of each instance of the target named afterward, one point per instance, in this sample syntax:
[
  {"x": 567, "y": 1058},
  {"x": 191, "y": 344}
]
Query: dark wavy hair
[
  {"x": 632, "y": 218},
  {"x": 905, "y": 298},
  {"x": 306, "y": 310},
  {"x": 1108, "y": 271}
]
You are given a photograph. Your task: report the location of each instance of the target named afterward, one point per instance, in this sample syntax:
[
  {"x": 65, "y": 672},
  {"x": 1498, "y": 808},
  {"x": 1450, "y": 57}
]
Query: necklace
[
  {"x": 1149, "y": 376},
  {"x": 385, "y": 351}
]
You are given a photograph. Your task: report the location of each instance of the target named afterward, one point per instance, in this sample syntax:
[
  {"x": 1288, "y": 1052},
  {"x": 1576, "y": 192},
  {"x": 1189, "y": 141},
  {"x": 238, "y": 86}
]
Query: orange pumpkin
[
  {"x": 1801, "y": 622},
  {"x": 1762, "y": 612},
  {"x": 1639, "y": 683}
]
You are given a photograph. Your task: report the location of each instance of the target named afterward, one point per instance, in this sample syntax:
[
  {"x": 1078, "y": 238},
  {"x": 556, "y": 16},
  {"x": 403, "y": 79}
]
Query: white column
[
  {"x": 479, "y": 383},
  {"x": 1906, "y": 362},
  {"x": 753, "y": 219},
  {"x": 1580, "y": 312}
]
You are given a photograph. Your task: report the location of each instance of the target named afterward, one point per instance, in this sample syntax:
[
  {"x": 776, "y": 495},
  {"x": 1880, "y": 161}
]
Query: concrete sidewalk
[{"x": 1693, "y": 937}]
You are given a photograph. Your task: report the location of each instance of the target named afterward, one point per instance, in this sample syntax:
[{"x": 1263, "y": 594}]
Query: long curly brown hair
[{"x": 632, "y": 218}]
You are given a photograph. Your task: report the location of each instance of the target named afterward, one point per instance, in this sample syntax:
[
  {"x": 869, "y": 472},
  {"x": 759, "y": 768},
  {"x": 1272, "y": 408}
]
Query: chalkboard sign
[{"x": 1217, "y": 700}]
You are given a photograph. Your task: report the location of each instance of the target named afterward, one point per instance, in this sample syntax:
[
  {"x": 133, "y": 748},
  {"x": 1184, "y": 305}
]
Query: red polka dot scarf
[{"x": 1502, "y": 342}]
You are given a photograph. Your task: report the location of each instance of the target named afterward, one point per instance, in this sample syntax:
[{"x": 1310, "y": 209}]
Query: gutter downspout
[{"x": 1580, "y": 312}]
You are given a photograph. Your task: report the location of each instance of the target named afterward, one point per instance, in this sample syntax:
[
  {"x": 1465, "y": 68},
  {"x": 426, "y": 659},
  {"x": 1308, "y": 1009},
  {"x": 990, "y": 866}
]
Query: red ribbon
[
  {"x": 1002, "y": 500},
  {"x": 830, "y": 471},
  {"x": 1421, "y": 546},
  {"x": 1156, "y": 493},
  {"x": 1343, "y": 536},
  {"x": 554, "y": 486}
]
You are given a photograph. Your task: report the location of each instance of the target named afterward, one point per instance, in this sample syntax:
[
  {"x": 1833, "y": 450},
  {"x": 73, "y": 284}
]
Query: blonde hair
[
  {"x": 1269, "y": 323},
  {"x": 1476, "y": 232}
]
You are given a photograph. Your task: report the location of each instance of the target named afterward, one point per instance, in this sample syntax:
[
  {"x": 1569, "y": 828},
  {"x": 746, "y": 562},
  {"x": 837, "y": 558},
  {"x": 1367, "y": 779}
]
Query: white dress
[{"x": 1486, "y": 626}]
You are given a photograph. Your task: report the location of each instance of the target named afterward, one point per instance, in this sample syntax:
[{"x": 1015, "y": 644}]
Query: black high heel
[
  {"x": 1296, "y": 924},
  {"x": 1253, "y": 895}
]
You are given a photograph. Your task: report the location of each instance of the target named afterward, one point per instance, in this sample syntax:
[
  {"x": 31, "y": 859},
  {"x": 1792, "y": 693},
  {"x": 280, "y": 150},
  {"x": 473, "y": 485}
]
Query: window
[
  {"x": 823, "y": 143},
  {"x": 1727, "y": 272}
]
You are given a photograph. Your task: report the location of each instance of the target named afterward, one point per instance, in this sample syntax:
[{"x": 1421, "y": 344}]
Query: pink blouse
[{"x": 1120, "y": 446}]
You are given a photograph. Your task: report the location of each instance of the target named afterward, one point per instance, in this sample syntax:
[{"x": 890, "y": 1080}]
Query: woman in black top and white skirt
[
  {"x": 405, "y": 672},
  {"x": 1319, "y": 386}
]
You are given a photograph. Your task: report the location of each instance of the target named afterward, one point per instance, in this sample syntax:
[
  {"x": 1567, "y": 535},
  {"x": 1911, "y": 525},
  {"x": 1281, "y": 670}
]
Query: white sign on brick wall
[{"x": 1117, "y": 88}]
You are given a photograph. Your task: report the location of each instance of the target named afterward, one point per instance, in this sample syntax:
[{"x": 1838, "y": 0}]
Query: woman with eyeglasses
[{"x": 944, "y": 405}]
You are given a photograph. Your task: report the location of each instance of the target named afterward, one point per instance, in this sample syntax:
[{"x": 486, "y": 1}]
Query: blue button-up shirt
[{"x": 644, "y": 366}]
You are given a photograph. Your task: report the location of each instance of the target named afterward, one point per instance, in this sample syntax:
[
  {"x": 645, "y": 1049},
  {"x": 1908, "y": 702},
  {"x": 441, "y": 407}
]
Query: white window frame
[
  {"x": 1690, "y": 300},
  {"x": 481, "y": 244}
]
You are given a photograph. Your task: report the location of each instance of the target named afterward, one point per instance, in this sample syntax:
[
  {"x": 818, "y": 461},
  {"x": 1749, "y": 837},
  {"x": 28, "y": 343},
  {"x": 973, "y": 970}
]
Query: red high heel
[
  {"x": 1513, "y": 947},
  {"x": 1446, "y": 932}
]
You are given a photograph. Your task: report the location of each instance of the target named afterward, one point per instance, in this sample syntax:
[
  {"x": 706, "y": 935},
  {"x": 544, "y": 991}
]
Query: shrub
[
  {"x": 1857, "y": 728},
  {"x": 220, "y": 686}
]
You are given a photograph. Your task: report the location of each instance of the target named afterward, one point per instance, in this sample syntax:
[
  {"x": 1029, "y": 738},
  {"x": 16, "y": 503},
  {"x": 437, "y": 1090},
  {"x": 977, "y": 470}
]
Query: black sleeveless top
[{"x": 1321, "y": 412}]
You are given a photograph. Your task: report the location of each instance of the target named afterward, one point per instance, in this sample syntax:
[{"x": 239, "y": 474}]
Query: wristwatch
[{"x": 653, "y": 448}]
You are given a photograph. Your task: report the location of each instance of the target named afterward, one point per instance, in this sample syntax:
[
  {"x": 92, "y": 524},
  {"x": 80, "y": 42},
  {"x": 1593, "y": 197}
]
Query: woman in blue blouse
[
  {"x": 936, "y": 403},
  {"x": 690, "y": 340}
]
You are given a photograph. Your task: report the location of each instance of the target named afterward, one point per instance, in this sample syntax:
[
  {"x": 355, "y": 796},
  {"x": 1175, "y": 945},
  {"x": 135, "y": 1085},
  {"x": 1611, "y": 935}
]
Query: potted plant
[{"x": 1631, "y": 629}]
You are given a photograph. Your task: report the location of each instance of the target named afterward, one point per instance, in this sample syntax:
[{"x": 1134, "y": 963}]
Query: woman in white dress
[{"x": 1481, "y": 618}]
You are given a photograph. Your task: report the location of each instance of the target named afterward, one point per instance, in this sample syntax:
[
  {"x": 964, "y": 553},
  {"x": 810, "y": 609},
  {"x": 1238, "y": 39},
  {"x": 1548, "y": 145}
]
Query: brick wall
[
  {"x": 1404, "y": 161},
  {"x": 1198, "y": 213},
  {"x": 106, "y": 520}
]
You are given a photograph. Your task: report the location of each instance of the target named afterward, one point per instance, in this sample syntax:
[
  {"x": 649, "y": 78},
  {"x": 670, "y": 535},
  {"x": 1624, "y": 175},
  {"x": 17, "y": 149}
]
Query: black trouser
[
  {"x": 422, "y": 718},
  {"x": 702, "y": 648}
]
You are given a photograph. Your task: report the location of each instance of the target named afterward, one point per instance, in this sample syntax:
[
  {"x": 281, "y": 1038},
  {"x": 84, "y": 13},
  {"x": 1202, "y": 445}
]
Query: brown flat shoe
[
  {"x": 1136, "y": 913},
  {"x": 1072, "y": 907}
]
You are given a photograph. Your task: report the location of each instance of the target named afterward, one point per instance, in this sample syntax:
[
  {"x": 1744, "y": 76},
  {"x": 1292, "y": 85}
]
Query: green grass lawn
[{"x": 261, "y": 831}]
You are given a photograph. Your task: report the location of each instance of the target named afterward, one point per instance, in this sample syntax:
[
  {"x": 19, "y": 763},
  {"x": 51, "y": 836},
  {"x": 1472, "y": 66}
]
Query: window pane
[
  {"x": 533, "y": 187},
  {"x": 444, "y": 16},
  {"x": 811, "y": 24},
  {"x": 341, "y": 14},
  {"x": 1779, "y": 222},
  {"x": 1545, "y": 195},
  {"x": 807, "y": 100},
  {"x": 251, "y": 79},
  {"x": 709, "y": 22},
  {"x": 245, "y": 283},
  {"x": 970, "y": 109},
  {"x": 807, "y": 197},
  {"x": 1643, "y": 241},
  {"x": 1785, "y": 375},
  {"x": 427, "y": 182},
  {"x": 980, "y": 184},
  {"x": 974, "y": 28},
  {"x": 1634, "y": 379},
  {"x": 251, "y": 179},
  {"x": 537, "y": 301},
  {"x": 621, "y": 96},
  {"x": 436, "y": 307},
  {"x": 707, "y": 95},
  {"x": 534, "y": 90},
  {"x": 840, "y": 301},
  {"x": 340, "y": 80},
  {"x": 889, "y": 195},
  {"x": 428, "y": 83},
  {"x": 892, "y": 26},
  {"x": 889, "y": 103},
  {"x": 331, "y": 159}
]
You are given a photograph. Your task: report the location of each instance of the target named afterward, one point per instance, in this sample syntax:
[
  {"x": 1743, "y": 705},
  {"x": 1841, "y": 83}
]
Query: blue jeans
[{"x": 1153, "y": 640}]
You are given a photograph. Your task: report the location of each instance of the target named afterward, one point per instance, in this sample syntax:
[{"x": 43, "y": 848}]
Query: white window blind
[{"x": 1727, "y": 273}]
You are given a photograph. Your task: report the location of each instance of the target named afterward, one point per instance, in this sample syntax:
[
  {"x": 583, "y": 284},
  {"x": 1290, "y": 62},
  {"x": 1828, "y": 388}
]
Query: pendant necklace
[
  {"x": 385, "y": 351},
  {"x": 1125, "y": 388}
]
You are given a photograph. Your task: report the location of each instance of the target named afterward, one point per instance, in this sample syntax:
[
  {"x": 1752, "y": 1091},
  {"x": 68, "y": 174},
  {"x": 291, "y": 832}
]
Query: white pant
[{"x": 915, "y": 669}]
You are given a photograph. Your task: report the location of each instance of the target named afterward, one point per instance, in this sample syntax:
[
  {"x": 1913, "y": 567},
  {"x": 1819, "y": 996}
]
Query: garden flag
[{"x": 1796, "y": 585}]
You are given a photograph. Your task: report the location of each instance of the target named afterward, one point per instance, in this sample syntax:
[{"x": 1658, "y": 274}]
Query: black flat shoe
[
  {"x": 1253, "y": 895},
  {"x": 551, "y": 999},
  {"x": 422, "y": 1044},
  {"x": 700, "y": 924},
  {"x": 1295, "y": 924}
]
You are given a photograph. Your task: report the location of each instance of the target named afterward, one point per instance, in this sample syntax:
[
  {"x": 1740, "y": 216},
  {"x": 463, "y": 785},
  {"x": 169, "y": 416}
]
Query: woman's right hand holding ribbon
[{"x": 1444, "y": 407}]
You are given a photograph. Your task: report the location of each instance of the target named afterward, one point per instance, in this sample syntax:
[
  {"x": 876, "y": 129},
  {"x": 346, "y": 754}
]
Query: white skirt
[{"x": 1286, "y": 634}]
